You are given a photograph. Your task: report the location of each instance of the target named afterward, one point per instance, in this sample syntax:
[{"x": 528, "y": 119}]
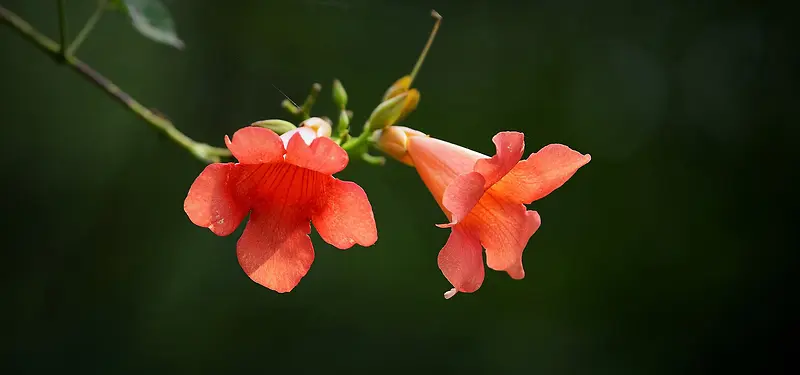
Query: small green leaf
[{"x": 152, "y": 19}]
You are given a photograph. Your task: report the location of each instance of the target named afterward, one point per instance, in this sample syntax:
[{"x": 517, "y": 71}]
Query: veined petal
[
  {"x": 461, "y": 260},
  {"x": 540, "y": 174},
  {"x": 505, "y": 228},
  {"x": 255, "y": 145},
  {"x": 322, "y": 155},
  {"x": 211, "y": 202},
  {"x": 344, "y": 216},
  {"x": 275, "y": 250},
  {"x": 510, "y": 146}
]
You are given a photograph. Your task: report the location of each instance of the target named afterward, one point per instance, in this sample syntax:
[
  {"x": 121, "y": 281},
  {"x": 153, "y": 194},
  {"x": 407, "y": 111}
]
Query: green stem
[
  {"x": 201, "y": 151},
  {"x": 62, "y": 27},
  {"x": 358, "y": 146},
  {"x": 305, "y": 109},
  {"x": 374, "y": 160},
  {"x": 427, "y": 47},
  {"x": 88, "y": 27}
]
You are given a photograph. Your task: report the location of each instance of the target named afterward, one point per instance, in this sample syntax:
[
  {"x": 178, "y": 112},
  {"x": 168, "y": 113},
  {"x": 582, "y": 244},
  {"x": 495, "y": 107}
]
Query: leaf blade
[{"x": 152, "y": 19}]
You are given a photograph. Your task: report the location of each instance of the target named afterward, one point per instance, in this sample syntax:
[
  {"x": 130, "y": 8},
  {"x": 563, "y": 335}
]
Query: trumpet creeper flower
[
  {"x": 483, "y": 197},
  {"x": 285, "y": 183}
]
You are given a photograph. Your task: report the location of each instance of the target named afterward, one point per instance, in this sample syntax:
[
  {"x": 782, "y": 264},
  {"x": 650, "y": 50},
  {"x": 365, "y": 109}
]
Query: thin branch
[
  {"x": 201, "y": 151},
  {"x": 62, "y": 26},
  {"x": 421, "y": 59},
  {"x": 88, "y": 27}
]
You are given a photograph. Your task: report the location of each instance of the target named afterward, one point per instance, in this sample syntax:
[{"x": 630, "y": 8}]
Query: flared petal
[
  {"x": 510, "y": 146},
  {"x": 275, "y": 250},
  {"x": 540, "y": 174},
  {"x": 322, "y": 154},
  {"x": 255, "y": 145},
  {"x": 461, "y": 260},
  {"x": 211, "y": 202},
  {"x": 516, "y": 271},
  {"x": 344, "y": 216},
  {"x": 461, "y": 195},
  {"x": 504, "y": 228}
]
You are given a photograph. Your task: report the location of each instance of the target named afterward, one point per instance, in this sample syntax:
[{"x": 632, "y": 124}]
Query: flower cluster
[{"x": 284, "y": 180}]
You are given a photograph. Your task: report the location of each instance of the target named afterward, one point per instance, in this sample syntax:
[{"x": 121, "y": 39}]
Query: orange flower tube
[{"x": 483, "y": 197}]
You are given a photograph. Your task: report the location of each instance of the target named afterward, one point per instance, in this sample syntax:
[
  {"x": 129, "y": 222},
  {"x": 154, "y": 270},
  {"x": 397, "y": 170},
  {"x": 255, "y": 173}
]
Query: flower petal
[
  {"x": 510, "y": 146},
  {"x": 275, "y": 250},
  {"x": 540, "y": 174},
  {"x": 439, "y": 163},
  {"x": 461, "y": 195},
  {"x": 344, "y": 216},
  {"x": 308, "y": 135},
  {"x": 516, "y": 271},
  {"x": 255, "y": 145},
  {"x": 211, "y": 203},
  {"x": 320, "y": 127},
  {"x": 505, "y": 228},
  {"x": 461, "y": 260},
  {"x": 322, "y": 155}
]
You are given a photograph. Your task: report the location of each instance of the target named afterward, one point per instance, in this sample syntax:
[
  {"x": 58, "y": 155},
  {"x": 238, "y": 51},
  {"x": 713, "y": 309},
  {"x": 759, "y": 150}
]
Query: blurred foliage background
[{"x": 668, "y": 253}]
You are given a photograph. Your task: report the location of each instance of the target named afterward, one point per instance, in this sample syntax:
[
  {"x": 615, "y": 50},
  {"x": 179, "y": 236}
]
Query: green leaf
[
  {"x": 117, "y": 5},
  {"x": 152, "y": 19}
]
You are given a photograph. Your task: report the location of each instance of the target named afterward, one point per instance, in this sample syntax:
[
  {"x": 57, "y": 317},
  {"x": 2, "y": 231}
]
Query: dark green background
[{"x": 667, "y": 254}]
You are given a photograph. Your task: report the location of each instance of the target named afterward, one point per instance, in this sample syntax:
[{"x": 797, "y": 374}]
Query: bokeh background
[{"x": 667, "y": 254}]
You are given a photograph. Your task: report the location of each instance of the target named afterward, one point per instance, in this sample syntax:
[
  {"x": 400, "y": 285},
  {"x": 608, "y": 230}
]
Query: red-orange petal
[
  {"x": 308, "y": 135},
  {"x": 505, "y": 228},
  {"x": 461, "y": 260},
  {"x": 510, "y": 146},
  {"x": 322, "y": 155},
  {"x": 516, "y": 271},
  {"x": 344, "y": 216},
  {"x": 275, "y": 250},
  {"x": 211, "y": 203},
  {"x": 255, "y": 145},
  {"x": 540, "y": 174},
  {"x": 461, "y": 195}
]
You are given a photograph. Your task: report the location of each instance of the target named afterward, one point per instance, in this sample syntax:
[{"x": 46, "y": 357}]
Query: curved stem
[
  {"x": 201, "y": 151},
  {"x": 88, "y": 27},
  {"x": 421, "y": 59}
]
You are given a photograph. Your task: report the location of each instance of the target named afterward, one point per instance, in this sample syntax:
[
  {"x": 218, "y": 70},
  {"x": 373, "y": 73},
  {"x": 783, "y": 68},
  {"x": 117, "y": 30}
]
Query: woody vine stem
[
  {"x": 64, "y": 53},
  {"x": 391, "y": 109}
]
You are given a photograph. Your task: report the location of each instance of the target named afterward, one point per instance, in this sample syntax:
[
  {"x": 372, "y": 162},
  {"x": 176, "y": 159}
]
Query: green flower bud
[
  {"x": 278, "y": 126},
  {"x": 387, "y": 113},
  {"x": 339, "y": 94},
  {"x": 343, "y": 125}
]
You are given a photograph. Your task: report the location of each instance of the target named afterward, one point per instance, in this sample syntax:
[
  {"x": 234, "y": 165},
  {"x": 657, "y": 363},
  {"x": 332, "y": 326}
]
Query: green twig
[
  {"x": 201, "y": 151},
  {"x": 62, "y": 27},
  {"x": 88, "y": 27},
  {"x": 427, "y": 47},
  {"x": 305, "y": 109}
]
